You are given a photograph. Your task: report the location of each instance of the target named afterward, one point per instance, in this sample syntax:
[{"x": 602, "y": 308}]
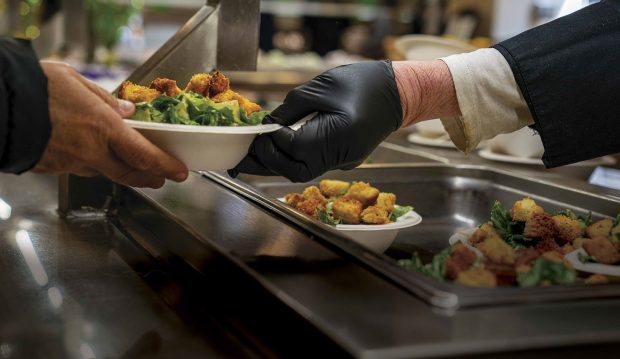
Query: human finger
[
  {"x": 138, "y": 153},
  {"x": 119, "y": 172},
  {"x": 122, "y": 107}
]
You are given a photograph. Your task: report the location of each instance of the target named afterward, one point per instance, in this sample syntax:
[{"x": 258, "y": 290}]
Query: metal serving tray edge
[{"x": 439, "y": 294}]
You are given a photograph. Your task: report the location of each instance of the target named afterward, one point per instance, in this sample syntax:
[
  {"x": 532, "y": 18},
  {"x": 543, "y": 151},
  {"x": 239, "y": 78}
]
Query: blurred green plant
[{"x": 107, "y": 17}]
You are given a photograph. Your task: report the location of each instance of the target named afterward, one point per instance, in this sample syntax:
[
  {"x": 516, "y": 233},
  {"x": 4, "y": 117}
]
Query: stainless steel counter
[
  {"x": 195, "y": 270},
  {"x": 80, "y": 289}
]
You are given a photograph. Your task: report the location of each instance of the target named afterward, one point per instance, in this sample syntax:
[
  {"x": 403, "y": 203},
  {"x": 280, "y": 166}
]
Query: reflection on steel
[
  {"x": 222, "y": 34},
  {"x": 30, "y": 255},
  {"x": 87, "y": 351},
  {"x": 5, "y": 210},
  {"x": 461, "y": 218},
  {"x": 55, "y": 297}
]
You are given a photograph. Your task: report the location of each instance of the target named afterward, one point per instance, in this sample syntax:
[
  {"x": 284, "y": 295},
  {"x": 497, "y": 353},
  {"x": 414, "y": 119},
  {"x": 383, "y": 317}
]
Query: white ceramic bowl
[
  {"x": 379, "y": 237},
  {"x": 521, "y": 143},
  {"x": 202, "y": 147},
  {"x": 426, "y": 47}
]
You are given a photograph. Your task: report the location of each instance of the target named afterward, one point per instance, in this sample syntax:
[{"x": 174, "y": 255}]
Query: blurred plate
[
  {"x": 489, "y": 154},
  {"x": 426, "y": 47},
  {"x": 202, "y": 147},
  {"x": 442, "y": 141}
]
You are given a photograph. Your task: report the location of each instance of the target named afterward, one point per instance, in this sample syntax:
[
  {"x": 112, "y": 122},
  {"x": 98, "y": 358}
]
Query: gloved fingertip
[{"x": 233, "y": 172}]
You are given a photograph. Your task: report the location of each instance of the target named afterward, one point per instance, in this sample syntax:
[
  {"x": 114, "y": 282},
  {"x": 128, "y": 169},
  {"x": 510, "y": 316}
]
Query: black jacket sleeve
[
  {"x": 568, "y": 71},
  {"x": 24, "y": 114}
]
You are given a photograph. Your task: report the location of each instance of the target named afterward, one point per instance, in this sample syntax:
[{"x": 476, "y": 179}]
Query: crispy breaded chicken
[
  {"x": 218, "y": 84},
  {"x": 333, "y": 188},
  {"x": 136, "y": 93},
  {"x": 200, "y": 84},
  {"x": 375, "y": 215},
  {"x": 349, "y": 210},
  {"x": 166, "y": 86},
  {"x": 229, "y": 95}
]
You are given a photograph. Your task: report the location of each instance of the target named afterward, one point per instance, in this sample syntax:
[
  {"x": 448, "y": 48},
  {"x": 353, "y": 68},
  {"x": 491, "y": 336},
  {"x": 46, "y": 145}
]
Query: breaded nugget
[
  {"x": 200, "y": 84},
  {"x": 497, "y": 250},
  {"x": 218, "y": 84},
  {"x": 522, "y": 210},
  {"x": 477, "y": 277},
  {"x": 526, "y": 256},
  {"x": 602, "y": 250},
  {"x": 333, "y": 188},
  {"x": 166, "y": 86},
  {"x": 600, "y": 228},
  {"x": 375, "y": 215},
  {"x": 293, "y": 198},
  {"x": 136, "y": 93},
  {"x": 313, "y": 193},
  {"x": 540, "y": 225},
  {"x": 364, "y": 193},
  {"x": 348, "y": 210},
  {"x": 578, "y": 242},
  {"x": 547, "y": 245},
  {"x": 483, "y": 232},
  {"x": 230, "y": 95},
  {"x": 505, "y": 274},
  {"x": 386, "y": 201},
  {"x": 461, "y": 259},
  {"x": 311, "y": 207},
  {"x": 567, "y": 229}
]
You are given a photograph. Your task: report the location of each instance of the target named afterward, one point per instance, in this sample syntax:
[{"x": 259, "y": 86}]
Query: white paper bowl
[
  {"x": 521, "y": 143},
  {"x": 202, "y": 147},
  {"x": 606, "y": 269},
  {"x": 379, "y": 237}
]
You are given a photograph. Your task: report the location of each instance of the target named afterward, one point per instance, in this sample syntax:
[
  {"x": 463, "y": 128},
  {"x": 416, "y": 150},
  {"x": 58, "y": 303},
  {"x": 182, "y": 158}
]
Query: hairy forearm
[{"x": 426, "y": 90}]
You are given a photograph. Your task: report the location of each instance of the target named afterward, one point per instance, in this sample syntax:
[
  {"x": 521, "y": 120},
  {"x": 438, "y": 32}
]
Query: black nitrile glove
[{"x": 358, "y": 106}]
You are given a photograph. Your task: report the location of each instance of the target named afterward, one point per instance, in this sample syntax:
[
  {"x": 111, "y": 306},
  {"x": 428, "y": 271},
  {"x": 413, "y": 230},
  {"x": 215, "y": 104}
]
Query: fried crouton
[
  {"x": 477, "y": 277},
  {"x": 600, "y": 228},
  {"x": 578, "y": 242},
  {"x": 348, "y": 210},
  {"x": 524, "y": 209},
  {"x": 333, "y": 188},
  {"x": 364, "y": 193},
  {"x": 167, "y": 87},
  {"x": 460, "y": 259},
  {"x": 230, "y": 95},
  {"x": 497, "y": 250},
  {"x": 293, "y": 198},
  {"x": 505, "y": 274},
  {"x": 483, "y": 232},
  {"x": 602, "y": 250},
  {"x": 313, "y": 193},
  {"x": 200, "y": 84},
  {"x": 526, "y": 256},
  {"x": 375, "y": 215},
  {"x": 311, "y": 207},
  {"x": 386, "y": 201},
  {"x": 547, "y": 245},
  {"x": 567, "y": 229},
  {"x": 540, "y": 225},
  {"x": 136, "y": 93},
  {"x": 218, "y": 84}
]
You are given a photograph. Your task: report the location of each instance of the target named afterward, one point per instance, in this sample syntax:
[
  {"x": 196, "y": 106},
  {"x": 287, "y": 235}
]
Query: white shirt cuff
[{"x": 488, "y": 96}]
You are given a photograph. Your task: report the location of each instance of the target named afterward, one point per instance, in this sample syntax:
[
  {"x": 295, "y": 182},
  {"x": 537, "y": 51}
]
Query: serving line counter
[{"x": 214, "y": 267}]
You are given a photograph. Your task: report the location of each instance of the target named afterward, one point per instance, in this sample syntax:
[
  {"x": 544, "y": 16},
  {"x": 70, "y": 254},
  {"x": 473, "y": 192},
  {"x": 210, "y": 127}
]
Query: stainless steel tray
[{"x": 448, "y": 197}]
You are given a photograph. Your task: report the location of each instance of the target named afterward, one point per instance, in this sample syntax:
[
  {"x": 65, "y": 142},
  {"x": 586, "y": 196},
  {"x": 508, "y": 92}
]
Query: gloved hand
[{"x": 358, "y": 106}]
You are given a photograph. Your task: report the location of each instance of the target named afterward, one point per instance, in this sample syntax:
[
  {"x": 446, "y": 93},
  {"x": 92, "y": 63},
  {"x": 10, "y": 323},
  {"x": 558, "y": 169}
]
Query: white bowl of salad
[{"x": 207, "y": 125}]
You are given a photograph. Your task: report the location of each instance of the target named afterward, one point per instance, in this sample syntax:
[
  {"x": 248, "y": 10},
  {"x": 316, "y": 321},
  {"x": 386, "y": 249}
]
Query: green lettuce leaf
[
  {"x": 511, "y": 231},
  {"x": 399, "y": 211},
  {"x": 546, "y": 271},
  {"x": 435, "y": 269}
]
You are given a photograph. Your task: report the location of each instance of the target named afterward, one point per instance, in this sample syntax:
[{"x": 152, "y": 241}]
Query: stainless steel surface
[
  {"x": 80, "y": 289},
  {"x": 448, "y": 198},
  {"x": 340, "y": 295},
  {"x": 222, "y": 34}
]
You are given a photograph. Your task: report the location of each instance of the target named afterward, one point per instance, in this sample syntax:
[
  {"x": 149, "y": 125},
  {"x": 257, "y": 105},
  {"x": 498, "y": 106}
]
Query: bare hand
[{"x": 90, "y": 138}]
